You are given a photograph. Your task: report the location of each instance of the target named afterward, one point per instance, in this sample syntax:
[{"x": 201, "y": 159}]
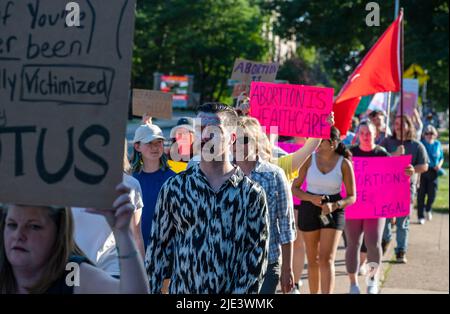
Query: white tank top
[{"x": 324, "y": 184}]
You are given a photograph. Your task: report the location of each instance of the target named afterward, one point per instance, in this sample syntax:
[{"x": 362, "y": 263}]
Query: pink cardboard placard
[{"x": 383, "y": 190}]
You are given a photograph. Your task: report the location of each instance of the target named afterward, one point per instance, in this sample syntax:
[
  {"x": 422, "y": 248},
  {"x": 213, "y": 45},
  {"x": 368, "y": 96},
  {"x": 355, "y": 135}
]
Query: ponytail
[{"x": 341, "y": 149}]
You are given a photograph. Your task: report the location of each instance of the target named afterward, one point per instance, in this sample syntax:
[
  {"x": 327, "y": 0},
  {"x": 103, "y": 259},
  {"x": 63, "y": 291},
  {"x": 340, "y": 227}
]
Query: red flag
[{"x": 379, "y": 71}]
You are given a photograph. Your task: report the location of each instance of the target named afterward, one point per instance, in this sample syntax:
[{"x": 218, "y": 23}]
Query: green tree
[
  {"x": 201, "y": 37},
  {"x": 337, "y": 29},
  {"x": 305, "y": 68}
]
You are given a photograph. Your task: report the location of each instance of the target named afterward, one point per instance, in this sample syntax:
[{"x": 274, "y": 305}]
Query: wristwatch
[{"x": 339, "y": 204}]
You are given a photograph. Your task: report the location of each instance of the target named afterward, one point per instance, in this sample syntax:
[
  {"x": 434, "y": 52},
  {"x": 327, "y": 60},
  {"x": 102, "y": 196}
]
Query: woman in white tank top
[{"x": 321, "y": 216}]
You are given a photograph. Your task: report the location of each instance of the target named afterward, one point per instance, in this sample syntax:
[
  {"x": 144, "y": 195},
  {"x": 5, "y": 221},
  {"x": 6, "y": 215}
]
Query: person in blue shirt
[
  {"x": 429, "y": 180},
  {"x": 150, "y": 168}
]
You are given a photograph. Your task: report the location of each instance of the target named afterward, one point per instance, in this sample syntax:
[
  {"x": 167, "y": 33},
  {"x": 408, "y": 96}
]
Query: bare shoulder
[{"x": 347, "y": 165}]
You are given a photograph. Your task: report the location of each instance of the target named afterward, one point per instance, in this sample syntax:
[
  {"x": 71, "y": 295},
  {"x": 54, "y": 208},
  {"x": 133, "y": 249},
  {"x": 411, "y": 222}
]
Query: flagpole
[
  {"x": 402, "y": 64},
  {"x": 390, "y": 94}
]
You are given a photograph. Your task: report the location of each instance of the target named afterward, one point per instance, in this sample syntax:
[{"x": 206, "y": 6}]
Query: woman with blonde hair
[
  {"x": 252, "y": 155},
  {"x": 290, "y": 164}
]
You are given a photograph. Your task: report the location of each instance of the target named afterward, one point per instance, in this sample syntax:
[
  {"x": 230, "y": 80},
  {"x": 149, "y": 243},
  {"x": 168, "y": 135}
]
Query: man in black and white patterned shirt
[{"x": 210, "y": 229}]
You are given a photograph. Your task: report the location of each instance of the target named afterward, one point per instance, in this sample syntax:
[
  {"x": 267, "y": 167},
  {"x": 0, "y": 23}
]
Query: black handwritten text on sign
[
  {"x": 296, "y": 110},
  {"x": 382, "y": 188},
  {"x": 63, "y": 101}
]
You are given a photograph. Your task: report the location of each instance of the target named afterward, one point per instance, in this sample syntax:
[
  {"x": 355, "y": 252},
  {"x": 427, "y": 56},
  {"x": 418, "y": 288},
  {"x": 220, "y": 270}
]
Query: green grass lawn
[{"x": 441, "y": 202}]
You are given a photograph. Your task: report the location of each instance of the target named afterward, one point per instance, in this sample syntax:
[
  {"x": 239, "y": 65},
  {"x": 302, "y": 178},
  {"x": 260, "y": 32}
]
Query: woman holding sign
[
  {"x": 372, "y": 228},
  {"x": 38, "y": 253},
  {"x": 403, "y": 142},
  {"x": 321, "y": 213},
  {"x": 291, "y": 163}
]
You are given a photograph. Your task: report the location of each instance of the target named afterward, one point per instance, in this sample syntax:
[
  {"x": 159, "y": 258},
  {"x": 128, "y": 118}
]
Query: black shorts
[{"x": 309, "y": 216}]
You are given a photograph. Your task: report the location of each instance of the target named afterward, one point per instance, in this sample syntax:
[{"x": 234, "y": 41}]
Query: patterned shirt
[
  {"x": 279, "y": 200},
  {"x": 206, "y": 241}
]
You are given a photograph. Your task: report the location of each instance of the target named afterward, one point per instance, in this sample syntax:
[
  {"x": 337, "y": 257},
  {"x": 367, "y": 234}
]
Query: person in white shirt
[{"x": 94, "y": 236}]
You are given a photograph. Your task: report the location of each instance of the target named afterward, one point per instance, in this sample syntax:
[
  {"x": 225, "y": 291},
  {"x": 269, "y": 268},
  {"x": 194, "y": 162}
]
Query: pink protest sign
[
  {"x": 289, "y": 147},
  {"x": 296, "y": 110},
  {"x": 382, "y": 188}
]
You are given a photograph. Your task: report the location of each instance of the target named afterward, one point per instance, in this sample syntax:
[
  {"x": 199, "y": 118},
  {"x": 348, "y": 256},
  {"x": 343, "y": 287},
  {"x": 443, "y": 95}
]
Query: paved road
[{"x": 427, "y": 271}]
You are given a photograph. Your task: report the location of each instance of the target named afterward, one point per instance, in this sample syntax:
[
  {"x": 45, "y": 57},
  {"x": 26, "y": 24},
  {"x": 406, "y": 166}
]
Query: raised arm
[
  {"x": 133, "y": 279},
  {"x": 301, "y": 155}
]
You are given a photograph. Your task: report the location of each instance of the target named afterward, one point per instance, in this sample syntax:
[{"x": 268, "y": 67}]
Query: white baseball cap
[{"x": 148, "y": 133}]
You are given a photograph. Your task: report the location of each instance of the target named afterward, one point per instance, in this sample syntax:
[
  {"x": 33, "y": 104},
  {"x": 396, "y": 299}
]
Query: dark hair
[
  {"x": 341, "y": 149},
  {"x": 375, "y": 113},
  {"x": 367, "y": 123},
  {"x": 228, "y": 113}
]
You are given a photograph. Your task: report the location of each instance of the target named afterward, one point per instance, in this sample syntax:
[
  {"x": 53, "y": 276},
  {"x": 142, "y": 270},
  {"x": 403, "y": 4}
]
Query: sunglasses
[{"x": 429, "y": 133}]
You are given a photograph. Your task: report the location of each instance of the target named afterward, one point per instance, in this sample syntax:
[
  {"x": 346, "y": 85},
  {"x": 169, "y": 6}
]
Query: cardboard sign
[
  {"x": 156, "y": 104},
  {"x": 247, "y": 71},
  {"x": 296, "y": 110},
  {"x": 383, "y": 190},
  {"x": 64, "y": 92}
]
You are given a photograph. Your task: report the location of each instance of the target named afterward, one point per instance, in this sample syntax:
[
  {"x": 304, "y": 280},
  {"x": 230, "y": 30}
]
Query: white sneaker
[
  {"x": 429, "y": 216},
  {"x": 296, "y": 289},
  {"x": 363, "y": 270},
  {"x": 373, "y": 289},
  {"x": 354, "y": 289},
  {"x": 422, "y": 221}
]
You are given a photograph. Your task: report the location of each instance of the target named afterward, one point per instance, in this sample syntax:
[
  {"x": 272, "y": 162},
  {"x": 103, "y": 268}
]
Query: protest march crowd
[
  {"x": 221, "y": 206},
  {"x": 227, "y": 223}
]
